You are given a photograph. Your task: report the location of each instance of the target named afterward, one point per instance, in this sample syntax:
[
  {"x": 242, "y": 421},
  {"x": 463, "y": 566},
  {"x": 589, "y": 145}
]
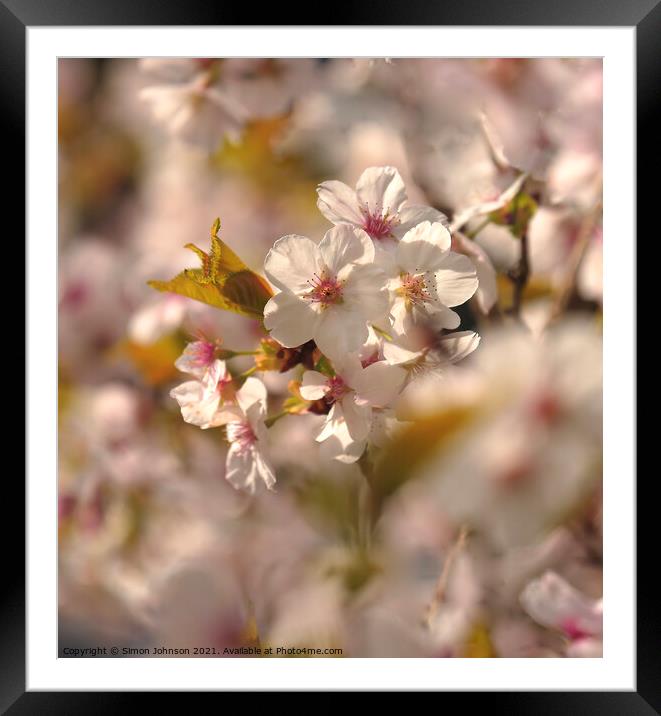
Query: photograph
[{"x": 330, "y": 341}]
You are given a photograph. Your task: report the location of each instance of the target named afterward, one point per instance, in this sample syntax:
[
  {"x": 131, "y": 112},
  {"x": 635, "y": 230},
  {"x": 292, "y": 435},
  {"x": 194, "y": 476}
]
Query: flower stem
[
  {"x": 274, "y": 418},
  {"x": 367, "y": 503},
  {"x": 249, "y": 372},
  {"x": 472, "y": 234}
]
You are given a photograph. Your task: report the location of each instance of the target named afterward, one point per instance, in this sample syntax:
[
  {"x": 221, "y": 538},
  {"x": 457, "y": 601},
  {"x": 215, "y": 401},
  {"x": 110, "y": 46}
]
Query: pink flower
[{"x": 377, "y": 205}]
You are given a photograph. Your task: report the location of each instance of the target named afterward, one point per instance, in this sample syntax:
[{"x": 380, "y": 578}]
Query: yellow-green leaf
[{"x": 223, "y": 280}]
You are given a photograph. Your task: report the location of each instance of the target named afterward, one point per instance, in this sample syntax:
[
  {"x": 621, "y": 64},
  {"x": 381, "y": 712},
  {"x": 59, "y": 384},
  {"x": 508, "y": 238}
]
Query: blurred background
[{"x": 486, "y": 509}]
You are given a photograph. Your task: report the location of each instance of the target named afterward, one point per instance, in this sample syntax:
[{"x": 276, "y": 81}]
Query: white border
[{"x": 617, "y": 669}]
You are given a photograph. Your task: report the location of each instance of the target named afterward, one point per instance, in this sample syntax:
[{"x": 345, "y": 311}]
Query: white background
[{"x": 617, "y": 669}]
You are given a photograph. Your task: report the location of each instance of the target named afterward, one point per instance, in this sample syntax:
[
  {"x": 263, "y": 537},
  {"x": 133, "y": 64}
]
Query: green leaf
[{"x": 223, "y": 280}]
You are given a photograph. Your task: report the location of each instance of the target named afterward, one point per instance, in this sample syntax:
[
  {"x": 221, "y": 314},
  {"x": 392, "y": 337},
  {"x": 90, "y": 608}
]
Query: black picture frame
[{"x": 17, "y": 15}]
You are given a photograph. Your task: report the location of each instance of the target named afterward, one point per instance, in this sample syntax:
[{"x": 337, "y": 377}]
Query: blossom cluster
[{"x": 384, "y": 272}]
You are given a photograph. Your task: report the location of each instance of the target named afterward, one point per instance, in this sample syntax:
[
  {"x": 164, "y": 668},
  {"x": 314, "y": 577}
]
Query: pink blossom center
[
  {"x": 325, "y": 289},
  {"x": 337, "y": 388},
  {"x": 202, "y": 353},
  {"x": 573, "y": 630},
  {"x": 241, "y": 434},
  {"x": 379, "y": 224}
]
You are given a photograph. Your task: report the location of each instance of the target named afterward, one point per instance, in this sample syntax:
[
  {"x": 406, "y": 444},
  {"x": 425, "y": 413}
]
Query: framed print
[{"x": 330, "y": 342}]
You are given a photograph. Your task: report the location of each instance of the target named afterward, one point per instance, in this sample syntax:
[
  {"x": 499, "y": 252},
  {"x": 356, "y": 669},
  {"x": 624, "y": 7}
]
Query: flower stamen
[
  {"x": 379, "y": 224},
  {"x": 325, "y": 289},
  {"x": 414, "y": 289}
]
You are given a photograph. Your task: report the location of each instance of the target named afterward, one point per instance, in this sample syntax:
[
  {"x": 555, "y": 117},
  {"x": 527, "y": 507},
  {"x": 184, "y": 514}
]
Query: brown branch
[{"x": 519, "y": 276}]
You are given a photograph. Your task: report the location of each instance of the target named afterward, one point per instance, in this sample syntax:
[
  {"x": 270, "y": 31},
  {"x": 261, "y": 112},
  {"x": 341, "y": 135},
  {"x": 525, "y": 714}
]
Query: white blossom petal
[
  {"x": 244, "y": 468},
  {"x": 456, "y": 280},
  {"x": 348, "y": 366},
  {"x": 223, "y": 415},
  {"x": 216, "y": 372},
  {"x": 252, "y": 394},
  {"x": 380, "y": 383},
  {"x": 382, "y": 189},
  {"x": 314, "y": 385},
  {"x": 365, "y": 291},
  {"x": 343, "y": 245},
  {"x": 396, "y": 354},
  {"x": 411, "y": 216},
  {"x": 339, "y": 203},
  {"x": 290, "y": 319},
  {"x": 292, "y": 262},
  {"x": 400, "y": 316},
  {"x": 197, "y": 405},
  {"x": 333, "y": 425},
  {"x": 342, "y": 447},
  {"x": 357, "y": 417},
  {"x": 423, "y": 248},
  {"x": 340, "y": 331},
  {"x": 443, "y": 317},
  {"x": 457, "y": 346}
]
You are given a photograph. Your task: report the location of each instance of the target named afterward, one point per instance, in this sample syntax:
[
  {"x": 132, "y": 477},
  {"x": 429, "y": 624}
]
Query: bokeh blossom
[{"x": 380, "y": 435}]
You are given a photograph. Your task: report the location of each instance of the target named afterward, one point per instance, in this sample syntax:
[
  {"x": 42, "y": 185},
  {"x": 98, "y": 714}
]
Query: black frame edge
[
  {"x": 12, "y": 527},
  {"x": 645, "y": 14}
]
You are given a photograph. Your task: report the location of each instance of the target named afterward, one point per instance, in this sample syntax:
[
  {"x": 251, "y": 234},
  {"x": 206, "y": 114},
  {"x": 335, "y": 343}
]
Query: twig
[
  {"x": 519, "y": 276},
  {"x": 444, "y": 578}
]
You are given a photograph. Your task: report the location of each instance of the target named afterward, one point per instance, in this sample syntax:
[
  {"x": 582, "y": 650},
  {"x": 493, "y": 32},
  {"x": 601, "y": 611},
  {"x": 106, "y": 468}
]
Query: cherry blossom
[
  {"x": 247, "y": 459},
  {"x": 326, "y": 292},
  {"x": 377, "y": 205},
  {"x": 432, "y": 355},
  {"x": 197, "y": 359},
  {"x": 352, "y": 392},
  {"x": 207, "y": 401},
  {"x": 426, "y": 279}
]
